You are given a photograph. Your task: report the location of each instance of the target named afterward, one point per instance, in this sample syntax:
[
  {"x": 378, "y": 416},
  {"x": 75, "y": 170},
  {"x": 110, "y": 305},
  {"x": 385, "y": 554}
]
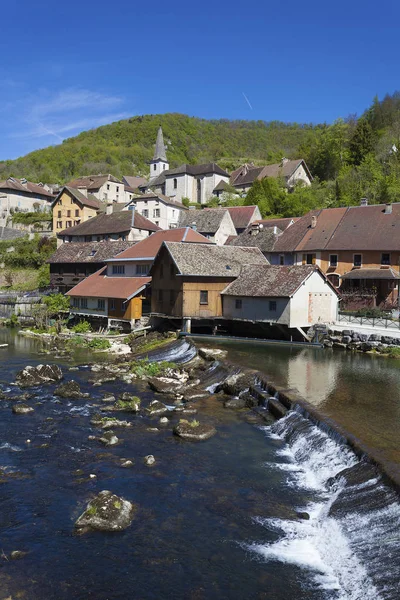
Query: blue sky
[{"x": 71, "y": 66}]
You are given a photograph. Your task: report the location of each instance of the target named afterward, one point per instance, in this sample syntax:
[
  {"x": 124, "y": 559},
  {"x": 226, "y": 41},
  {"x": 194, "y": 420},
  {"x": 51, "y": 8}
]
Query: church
[{"x": 197, "y": 183}]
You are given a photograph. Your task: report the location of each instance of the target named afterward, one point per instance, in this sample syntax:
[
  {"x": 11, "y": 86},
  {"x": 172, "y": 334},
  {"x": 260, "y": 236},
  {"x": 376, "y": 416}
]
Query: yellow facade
[{"x": 67, "y": 212}]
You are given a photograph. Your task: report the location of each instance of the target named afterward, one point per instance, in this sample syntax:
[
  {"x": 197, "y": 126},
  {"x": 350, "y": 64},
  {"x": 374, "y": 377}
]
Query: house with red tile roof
[
  {"x": 20, "y": 195},
  {"x": 119, "y": 293},
  {"x": 358, "y": 247},
  {"x": 292, "y": 171}
]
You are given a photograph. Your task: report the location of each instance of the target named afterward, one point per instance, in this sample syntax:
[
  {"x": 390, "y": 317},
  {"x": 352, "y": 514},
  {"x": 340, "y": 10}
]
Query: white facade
[
  {"x": 158, "y": 211},
  {"x": 314, "y": 302},
  {"x": 110, "y": 191},
  {"x": 300, "y": 174},
  {"x": 134, "y": 235},
  {"x": 129, "y": 268},
  {"x": 21, "y": 202},
  {"x": 226, "y": 229},
  {"x": 89, "y": 306},
  {"x": 199, "y": 188}
]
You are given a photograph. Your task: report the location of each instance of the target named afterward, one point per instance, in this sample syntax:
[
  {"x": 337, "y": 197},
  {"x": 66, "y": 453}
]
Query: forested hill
[
  {"x": 124, "y": 147},
  {"x": 349, "y": 159}
]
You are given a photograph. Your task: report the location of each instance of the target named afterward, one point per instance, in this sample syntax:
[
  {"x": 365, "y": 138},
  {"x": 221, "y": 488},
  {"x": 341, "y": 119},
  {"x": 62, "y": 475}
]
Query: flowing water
[{"x": 216, "y": 519}]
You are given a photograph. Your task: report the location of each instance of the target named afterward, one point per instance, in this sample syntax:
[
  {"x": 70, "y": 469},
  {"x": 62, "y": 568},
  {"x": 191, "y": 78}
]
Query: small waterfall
[
  {"x": 351, "y": 541},
  {"x": 179, "y": 352}
]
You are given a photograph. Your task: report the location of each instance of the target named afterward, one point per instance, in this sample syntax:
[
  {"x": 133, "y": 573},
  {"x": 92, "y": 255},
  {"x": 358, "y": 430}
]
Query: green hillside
[
  {"x": 124, "y": 147},
  {"x": 349, "y": 159}
]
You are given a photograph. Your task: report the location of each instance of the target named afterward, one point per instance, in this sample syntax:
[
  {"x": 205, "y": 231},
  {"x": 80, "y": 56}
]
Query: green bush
[
  {"x": 82, "y": 327},
  {"x": 144, "y": 368}
]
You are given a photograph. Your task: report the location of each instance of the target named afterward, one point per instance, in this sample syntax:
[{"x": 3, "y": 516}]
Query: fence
[{"x": 370, "y": 321}]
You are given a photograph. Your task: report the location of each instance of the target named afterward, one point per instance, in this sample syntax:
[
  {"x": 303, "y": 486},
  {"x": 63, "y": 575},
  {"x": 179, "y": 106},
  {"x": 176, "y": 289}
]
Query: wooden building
[
  {"x": 187, "y": 279},
  {"x": 71, "y": 207}
]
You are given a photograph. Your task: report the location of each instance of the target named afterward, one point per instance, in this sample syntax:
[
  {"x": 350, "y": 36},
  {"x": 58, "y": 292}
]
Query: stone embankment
[{"x": 349, "y": 339}]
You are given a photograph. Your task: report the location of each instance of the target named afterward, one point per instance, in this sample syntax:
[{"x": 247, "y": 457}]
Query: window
[
  {"x": 333, "y": 260},
  {"x": 309, "y": 259},
  {"x": 101, "y": 304},
  {"x": 142, "y": 269},
  {"x": 77, "y": 213},
  {"x": 68, "y": 213},
  {"x": 112, "y": 304},
  {"x": 68, "y": 224},
  {"x": 88, "y": 238},
  {"x": 105, "y": 196},
  {"x": 118, "y": 270},
  {"x": 238, "y": 303},
  {"x": 334, "y": 279},
  {"x": 154, "y": 167},
  {"x": 156, "y": 223},
  {"x": 145, "y": 212},
  {"x": 59, "y": 213},
  {"x": 156, "y": 212},
  {"x": 83, "y": 302},
  {"x": 76, "y": 222},
  {"x": 281, "y": 259},
  {"x": 59, "y": 224},
  {"x": 108, "y": 186},
  {"x": 175, "y": 183},
  {"x": 203, "y": 297},
  {"x": 75, "y": 303},
  {"x": 117, "y": 189},
  {"x": 272, "y": 305},
  {"x": 163, "y": 167},
  {"x": 357, "y": 260},
  {"x": 385, "y": 258},
  {"x": 160, "y": 295}
]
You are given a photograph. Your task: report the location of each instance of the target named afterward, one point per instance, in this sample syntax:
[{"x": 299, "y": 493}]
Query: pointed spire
[{"x": 159, "y": 152}]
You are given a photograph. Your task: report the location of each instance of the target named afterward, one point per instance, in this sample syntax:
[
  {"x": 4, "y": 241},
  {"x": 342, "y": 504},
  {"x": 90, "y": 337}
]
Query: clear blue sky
[{"x": 70, "y": 66}]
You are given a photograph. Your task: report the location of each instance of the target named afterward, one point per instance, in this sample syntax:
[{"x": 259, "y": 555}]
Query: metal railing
[{"x": 381, "y": 322}]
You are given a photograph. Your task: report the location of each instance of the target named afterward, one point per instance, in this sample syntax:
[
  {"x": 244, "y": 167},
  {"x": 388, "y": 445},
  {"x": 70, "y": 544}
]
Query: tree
[
  {"x": 268, "y": 194},
  {"x": 361, "y": 142}
]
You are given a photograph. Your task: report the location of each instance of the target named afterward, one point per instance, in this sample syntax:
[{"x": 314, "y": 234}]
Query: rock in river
[
  {"x": 156, "y": 408},
  {"x": 107, "y": 512},
  {"x": 193, "y": 430},
  {"x": 31, "y": 376},
  {"x": 212, "y": 353},
  {"x": 109, "y": 439},
  {"x": 70, "y": 389},
  {"x": 21, "y": 409}
]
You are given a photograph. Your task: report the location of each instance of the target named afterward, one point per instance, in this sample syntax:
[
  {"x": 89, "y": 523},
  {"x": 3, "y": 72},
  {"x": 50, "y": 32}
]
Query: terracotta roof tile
[
  {"x": 206, "y": 220},
  {"x": 149, "y": 247},
  {"x": 99, "y": 285}
]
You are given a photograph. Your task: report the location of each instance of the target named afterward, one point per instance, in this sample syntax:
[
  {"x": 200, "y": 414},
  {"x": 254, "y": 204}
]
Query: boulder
[
  {"x": 107, "y": 512},
  {"x": 387, "y": 339},
  {"x": 149, "y": 460},
  {"x": 31, "y": 376},
  {"x": 235, "y": 402},
  {"x": 22, "y": 409},
  {"x": 346, "y": 339},
  {"x": 156, "y": 408},
  {"x": 163, "y": 385},
  {"x": 236, "y": 383},
  {"x": 348, "y": 332},
  {"x": 109, "y": 439},
  {"x": 108, "y": 398},
  {"x": 70, "y": 389},
  {"x": 212, "y": 353},
  {"x": 125, "y": 403},
  {"x": 193, "y": 430},
  {"x": 194, "y": 393},
  {"x": 374, "y": 337},
  {"x": 108, "y": 422}
]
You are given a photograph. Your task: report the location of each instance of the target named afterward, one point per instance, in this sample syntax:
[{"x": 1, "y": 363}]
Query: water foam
[{"x": 351, "y": 542}]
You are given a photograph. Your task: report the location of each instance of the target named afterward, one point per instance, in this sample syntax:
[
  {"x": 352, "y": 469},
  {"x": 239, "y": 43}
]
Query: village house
[
  {"x": 120, "y": 292},
  {"x": 195, "y": 182},
  {"x": 292, "y": 172},
  {"x": 358, "y": 247},
  {"x": 105, "y": 188},
  {"x": 159, "y": 209},
  {"x": 214, "y": 223},
  {"x": 257, "y": 236},
  {"x": 295, "y": 297},
  {"x": 71, "y": 208},
  {"x": 187, "y": 279},
  {"x": 72, "y": 263},
  {"x": 20, "y": 195},
  {"x": 133, "y": 182},
  {"x": 121, "y": 225},
  {"x": 243, "y": 216}
]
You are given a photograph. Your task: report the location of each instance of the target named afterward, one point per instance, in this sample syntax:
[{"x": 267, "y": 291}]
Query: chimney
[
  {"x": 388, "y": 209},
  {"x": 364, "y": 202},
  {"x": 313, "y": 222},
  {"x": 132, "y": 208},
  {"x": 284, "y": 160},
  {"x": 194, "y": 226},
  {"x": 256, "y": 228},
  {"x": 109, "y": 208}
]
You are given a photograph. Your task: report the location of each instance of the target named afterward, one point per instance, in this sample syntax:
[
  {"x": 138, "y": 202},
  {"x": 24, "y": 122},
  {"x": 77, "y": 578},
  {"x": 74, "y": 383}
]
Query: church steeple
[
  {"x": 159, "y": 162},
  {"x": 159, "y": 152}
]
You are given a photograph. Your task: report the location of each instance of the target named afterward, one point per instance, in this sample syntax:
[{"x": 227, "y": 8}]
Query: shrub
[
  {"x": 82, "y": 327},
  {"x": 142, "y": 368}
]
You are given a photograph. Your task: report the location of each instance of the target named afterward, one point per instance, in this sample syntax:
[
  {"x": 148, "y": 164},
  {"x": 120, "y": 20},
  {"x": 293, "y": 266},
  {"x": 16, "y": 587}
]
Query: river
[{"x": 215, "y": 519}]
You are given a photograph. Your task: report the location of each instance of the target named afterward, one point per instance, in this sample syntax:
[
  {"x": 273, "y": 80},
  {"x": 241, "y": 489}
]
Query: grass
[
  {"x": 193, "y": 424},
  {"x": 144, "y": 368},
  {"x": 133, "y": 403},
  {"x": 393, "y": 352},
  {"x": 24, "y": 280},
  {"x": 94, "y": 344}
]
